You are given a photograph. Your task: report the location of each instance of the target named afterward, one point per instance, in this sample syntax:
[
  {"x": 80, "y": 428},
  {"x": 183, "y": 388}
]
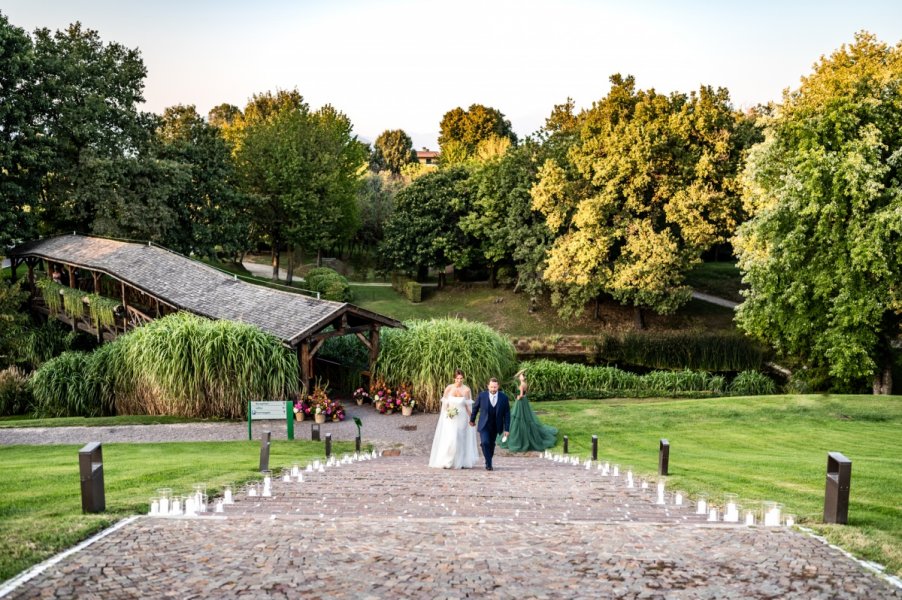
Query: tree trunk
[
  {"x": 638, "y": 317},
  {"x": 441, "y": 279},
  {"x": 275, "y": 262},
  {"x": 289, "y": 276},
  {"x": 319, "y": 257},
  {"x": 597, "y": 306},
  {"x": 422, "y": 273},
  {"x": 493, "y": 276},
  {"x": 883, "y": 381}
]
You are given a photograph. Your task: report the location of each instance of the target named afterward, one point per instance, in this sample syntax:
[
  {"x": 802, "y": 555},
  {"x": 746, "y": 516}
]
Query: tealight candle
[
  {"x": 286, "y": 475},
  {"x": 616, "y": 471},
  {"x": 588, "y": 464},
  {"x": 295, "y": 469},
  {"x": 772, "y": 514},
  {"x": 678, "y": 499},
  {"x": 219, "y": 507},
  {"x": 731, "y": 510},
  {"x": 790, "y": 520}
]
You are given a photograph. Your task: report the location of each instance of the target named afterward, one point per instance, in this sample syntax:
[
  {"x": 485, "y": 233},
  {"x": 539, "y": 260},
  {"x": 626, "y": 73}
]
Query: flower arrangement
[
  {"x": 302, "y": 408},
  {"x": 321, "y": 404},
  {"x": 361, "y": 396},
  {"x": 383, "y": 397},
  {"x": 405, "y": 398}
]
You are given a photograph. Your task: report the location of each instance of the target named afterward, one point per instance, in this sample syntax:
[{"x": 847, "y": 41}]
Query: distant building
[{"x": 427, "y": 157}]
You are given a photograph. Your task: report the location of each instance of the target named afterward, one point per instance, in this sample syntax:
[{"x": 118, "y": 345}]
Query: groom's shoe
[{"x": 489, "y": 468}]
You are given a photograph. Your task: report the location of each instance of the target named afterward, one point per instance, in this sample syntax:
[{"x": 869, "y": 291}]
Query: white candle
[
  {"x": 267, "y": 490},
  {"x": 322, "y": 469},
  {"x": 300, "y": 477},
  {"x": 219, "y": 507},
  {"x": 252, "y": 491},
  {"x": 772, "y": 517},
  {"x": 790, "y": 520},
  {"x": 644, "y": 485},
  {"x": 227, "y": 495},
  {"x": 176, "y": 507},
  {"x": 661, "y": 493},
  {"x": 629, "y": 479},
  {"x": 616, "y": 472},
  {"x": 731, "y": 514},
  {"x": 701, "y": 507},
  {"x": 309, "y": 468},
  {"x": 164, "y": 506},
  {"x": 154, "y": 507},
  {"x": 588, "y": 464},
  {"x": 712, "y": 514},
  {"x": 678, "y": 499},
  {"x": 749, "y": 518},
  {"x": 295, "y": 469},
  {"x": 286, "y": 477},
  {"x": 190, "y": 507}
]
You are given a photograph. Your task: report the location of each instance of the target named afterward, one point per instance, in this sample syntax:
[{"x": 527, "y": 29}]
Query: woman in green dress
[{"x": 527, "y": 432}]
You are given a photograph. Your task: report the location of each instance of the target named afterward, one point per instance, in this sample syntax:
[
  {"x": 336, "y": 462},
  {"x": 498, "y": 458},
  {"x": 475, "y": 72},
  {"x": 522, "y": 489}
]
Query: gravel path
[{"x": 412, "y": 434}]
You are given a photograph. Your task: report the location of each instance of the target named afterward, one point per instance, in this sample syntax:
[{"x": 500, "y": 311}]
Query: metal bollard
[
  {"x": 264, "y": 450},
  {"x": 328, "y": 445},
  {"x": 314, "y": 432},
  {"x": 566, "y": 445},
  {"x": 357, "y": 443},
  {"x": 663, "y": 457},
  {"x": 90, "y": 466},
  {"x": 594, "y": 447},
  {"x": 836, "y": 497}
]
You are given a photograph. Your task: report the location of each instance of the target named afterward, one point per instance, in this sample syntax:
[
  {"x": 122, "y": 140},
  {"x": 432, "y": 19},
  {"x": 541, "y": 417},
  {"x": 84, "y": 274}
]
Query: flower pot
[
  {"x": 320, "y": 418},
  {"x": 406, "y": 410},
  {"x": 299, "y": 416},
  {"x": 359, "y": 401}
]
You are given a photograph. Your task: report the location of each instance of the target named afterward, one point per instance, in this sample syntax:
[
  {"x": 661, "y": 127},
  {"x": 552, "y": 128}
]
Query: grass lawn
[
  {"x": 28, "y": 421},
  {"x": 508, "y": 313},
  {"x": 721, "y": 279},
  {"x": 40, "y": 494},
  {"x": 762, "y": 448}
]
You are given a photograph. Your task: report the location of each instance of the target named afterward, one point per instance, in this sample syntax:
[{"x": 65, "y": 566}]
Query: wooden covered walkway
[{"x": 151, "y": 282}]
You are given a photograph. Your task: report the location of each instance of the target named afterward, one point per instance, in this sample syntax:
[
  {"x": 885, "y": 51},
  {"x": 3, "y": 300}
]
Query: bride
[{"x": 454, "y": 445}]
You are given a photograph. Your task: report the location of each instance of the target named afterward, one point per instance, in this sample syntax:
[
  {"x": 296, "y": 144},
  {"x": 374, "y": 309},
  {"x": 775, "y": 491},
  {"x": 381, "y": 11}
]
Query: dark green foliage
[
  {"x": 554, "y": 380},
  {"x": 413, "y": 291},
  {"x": 752, "y": 383},
  {"x": 347, "y": 350},
  {"x": 15, "y": 395},
  {"x": 40, "y": 344},
  {"x": 329, "y": 283},
  {"x": 65, "y": 386},
  {"x": 12, "y": 320},
  {"x": 392, "y": 150},
  {"x": 697, "y": 350}
]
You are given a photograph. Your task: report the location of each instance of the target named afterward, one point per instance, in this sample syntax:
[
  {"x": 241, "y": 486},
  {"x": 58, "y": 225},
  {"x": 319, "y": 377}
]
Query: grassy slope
[
  {"x": 762, "y": 448},
  {"x": 27, "y": 421},
  {"x": 508, "y": 313},
  {"x": 40, "y": 502}
]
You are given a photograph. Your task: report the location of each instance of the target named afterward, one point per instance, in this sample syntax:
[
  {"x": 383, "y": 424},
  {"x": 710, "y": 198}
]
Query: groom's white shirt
[{"x": 493, "y": 398}]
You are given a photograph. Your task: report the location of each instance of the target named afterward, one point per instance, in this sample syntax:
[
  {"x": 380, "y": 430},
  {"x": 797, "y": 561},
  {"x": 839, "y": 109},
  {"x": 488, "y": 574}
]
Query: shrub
[
  {"x": 15, "y": 395},
  {"x": 752, "y": 383},
  {"x": 329, "y": 283},
  {"x": 66, "y": 386},
  {"x": 413, "y": 291},
  {"x": 426, "y": 354},
  {"x": 347, "y": 350},
  {"x": 40, "y": 344}
]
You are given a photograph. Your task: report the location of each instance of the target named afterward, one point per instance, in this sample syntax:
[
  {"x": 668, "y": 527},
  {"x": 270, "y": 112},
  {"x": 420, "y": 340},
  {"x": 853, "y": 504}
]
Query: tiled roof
[{"x": 195, "y": 287}]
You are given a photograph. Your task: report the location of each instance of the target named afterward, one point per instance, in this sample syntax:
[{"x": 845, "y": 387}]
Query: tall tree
[
  {"x": 392, "y": 150},
  {"x": 23, "y": 151},
  {"x": 423, "y": 231},
  {"x": 472, "y": 126},
  {"x": 822, "y": 253},
  {"x": 649, "y": 185}
]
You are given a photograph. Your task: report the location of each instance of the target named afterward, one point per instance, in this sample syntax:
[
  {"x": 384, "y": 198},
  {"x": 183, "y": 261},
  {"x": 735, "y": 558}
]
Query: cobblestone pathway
[{"x": 393, "y": 528}]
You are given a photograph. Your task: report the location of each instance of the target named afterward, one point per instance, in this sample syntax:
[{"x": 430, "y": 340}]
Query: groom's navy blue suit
[{"x": 492, "y": 421}]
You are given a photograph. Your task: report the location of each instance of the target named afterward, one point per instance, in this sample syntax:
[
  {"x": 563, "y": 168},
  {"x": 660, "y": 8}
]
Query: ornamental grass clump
[
  {"x": 426, "y": 354},
  {"x": 67, "y": 386},
  {"x": 752, "y": 383}
]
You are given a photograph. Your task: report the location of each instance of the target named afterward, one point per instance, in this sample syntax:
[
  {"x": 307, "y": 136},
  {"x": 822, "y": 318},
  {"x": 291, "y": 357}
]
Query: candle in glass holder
[
  {"x": 267, "y": 483},
  {"x": 309, "y": 468},
  {"x": 660, "y": 488},
  {"x": 629, "y": 478},
  {"x": 790, "y": 520},
  {"x": 227, "y": 494},
  {"x": 615, "y": 472},
  {"x": 154, "y": 506},
  {"x": 176, "y": 508},
  {"x": 772, "y": 514},
  {"x": 219, "y": 507},
  {"x": 644, "y": 484},
  {"x": 164, "y": 494},
  {"x": 252, "y": 490},
  {"x": 678, "y": 498},
  {"x": 749, "y": 517},
  {"x": 588, "y": 464},
  {"x": 286, "y": 475},
  {"x": 295, "y": 469},
  {"x": 712, "y": 514},
  {"x": 190, "y": 506},
  {"x": 322, "y": 469},
  {"x": 701, "y": 505},
  {"x": 731, "y": 508},
  {"x": 300, "y": 477}
]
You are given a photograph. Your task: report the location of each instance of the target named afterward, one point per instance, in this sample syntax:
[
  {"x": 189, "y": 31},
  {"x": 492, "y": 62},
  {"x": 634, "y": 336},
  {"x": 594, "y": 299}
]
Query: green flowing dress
[{"x": 527, "y": 433}]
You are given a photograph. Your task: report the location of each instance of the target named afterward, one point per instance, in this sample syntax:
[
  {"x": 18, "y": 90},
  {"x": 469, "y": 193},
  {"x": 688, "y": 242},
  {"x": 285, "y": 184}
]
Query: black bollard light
[
  {"x": 836, "y": 497},
  {"x": 594, "y": 447},
  {"x": 357, "y": 443},
  {"x": 663, "y": 457},
  {"x": 264, "y": 450},
  {"x": 314, "y": 432},
  {"x": 566, "y": 445},
  {"x": 328, "y": 445},
  {"x": 90, "y": 466}
]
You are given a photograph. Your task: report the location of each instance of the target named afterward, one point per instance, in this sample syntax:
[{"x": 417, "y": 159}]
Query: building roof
[
  {"x": 192, "y": 286},
  {"x": 427, "y": 154}
]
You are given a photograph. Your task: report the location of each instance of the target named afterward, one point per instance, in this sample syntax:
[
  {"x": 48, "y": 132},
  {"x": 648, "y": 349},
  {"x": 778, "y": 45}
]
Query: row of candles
[
  {"x": 771, "y": 513},
  {"x": 165, "y": 504}
]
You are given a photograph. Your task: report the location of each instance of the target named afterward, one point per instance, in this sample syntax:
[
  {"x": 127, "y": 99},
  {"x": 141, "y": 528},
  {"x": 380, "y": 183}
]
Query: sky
[{"x": 401, "y": 64}]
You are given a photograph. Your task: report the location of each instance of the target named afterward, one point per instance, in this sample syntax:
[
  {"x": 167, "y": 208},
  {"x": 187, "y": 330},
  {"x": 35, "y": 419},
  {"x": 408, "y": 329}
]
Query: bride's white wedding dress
[{"x": 454, "y": 445}]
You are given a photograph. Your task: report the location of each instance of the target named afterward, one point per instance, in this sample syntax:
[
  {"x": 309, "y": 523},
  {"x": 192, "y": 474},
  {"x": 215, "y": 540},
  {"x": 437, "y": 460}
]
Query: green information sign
[{"x": 270, "y": 410}]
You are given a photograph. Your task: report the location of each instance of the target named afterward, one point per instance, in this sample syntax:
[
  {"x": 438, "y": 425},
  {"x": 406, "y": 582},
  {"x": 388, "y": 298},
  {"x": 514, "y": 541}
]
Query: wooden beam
[
  {"x": 316, "y": 347},
  {"x": 374, "y": 347},
  {"x": 304, "y": 359},
  {"x": 96, "y": 276},
  {"x": 330, "y": 334},
  {"x": 365, "y": 341}
]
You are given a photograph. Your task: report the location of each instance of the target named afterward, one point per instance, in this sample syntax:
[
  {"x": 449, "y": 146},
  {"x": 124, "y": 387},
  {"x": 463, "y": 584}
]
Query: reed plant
[
  {"x": 50, "y": 292},
  {"x": 41, "y": 343},
  {"x": 696, "y": 350},
  {"x": 180, "y": 365},
  {"x": 15, "y": 394},
  {"x": 73, "y": 302},
  {"x": 752, "y": 383},
  {"x": 426, "y": 354}
]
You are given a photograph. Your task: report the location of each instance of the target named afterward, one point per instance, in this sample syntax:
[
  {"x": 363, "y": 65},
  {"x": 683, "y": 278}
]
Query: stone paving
[{"x": 392, "y": 527}]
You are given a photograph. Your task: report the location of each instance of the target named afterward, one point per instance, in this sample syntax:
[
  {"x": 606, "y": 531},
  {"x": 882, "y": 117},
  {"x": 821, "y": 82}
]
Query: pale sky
[{"x": 403, "y": 64}]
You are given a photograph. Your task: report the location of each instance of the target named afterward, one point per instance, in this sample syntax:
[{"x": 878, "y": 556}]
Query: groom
[{"x": 496, "y": 416}]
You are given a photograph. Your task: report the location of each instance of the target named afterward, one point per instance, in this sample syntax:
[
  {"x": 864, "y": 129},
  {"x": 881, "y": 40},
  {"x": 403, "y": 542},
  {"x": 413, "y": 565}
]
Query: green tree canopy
[
  {"x": 472, "y": 126},
  {"x": 424, "y": 231},
  {"x": 822, "y": 253},
  {"x": 648, "y": 185},
  {"x": 392, "y": 150}
]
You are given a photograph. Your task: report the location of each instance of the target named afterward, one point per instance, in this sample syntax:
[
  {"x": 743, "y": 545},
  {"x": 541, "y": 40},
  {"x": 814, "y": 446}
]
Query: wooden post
[
  {"x": 13, "y": 265},
  {"x": 304, "y": 360},
  {"x": 124, "y": 309},
  {"x": 374, "y": 347},
  {"x": 96, "y": 277}
]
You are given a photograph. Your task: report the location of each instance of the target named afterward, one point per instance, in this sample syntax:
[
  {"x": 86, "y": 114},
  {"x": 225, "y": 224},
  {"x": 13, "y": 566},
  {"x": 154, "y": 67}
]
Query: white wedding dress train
[{"x": 454, "y": 444}]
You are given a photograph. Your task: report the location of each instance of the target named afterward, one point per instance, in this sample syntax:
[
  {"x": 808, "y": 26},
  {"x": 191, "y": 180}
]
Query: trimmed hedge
[{"x": 330, "y": 284}]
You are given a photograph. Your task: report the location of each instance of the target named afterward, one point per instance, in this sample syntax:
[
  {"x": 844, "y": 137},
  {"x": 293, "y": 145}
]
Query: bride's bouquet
[{"x": 452, "y": 412}]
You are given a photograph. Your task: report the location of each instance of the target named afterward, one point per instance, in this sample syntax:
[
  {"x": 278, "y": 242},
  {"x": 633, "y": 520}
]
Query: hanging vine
[
  {"x": 50, "y": 292},
  {"x": 102, "y": 310}
]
